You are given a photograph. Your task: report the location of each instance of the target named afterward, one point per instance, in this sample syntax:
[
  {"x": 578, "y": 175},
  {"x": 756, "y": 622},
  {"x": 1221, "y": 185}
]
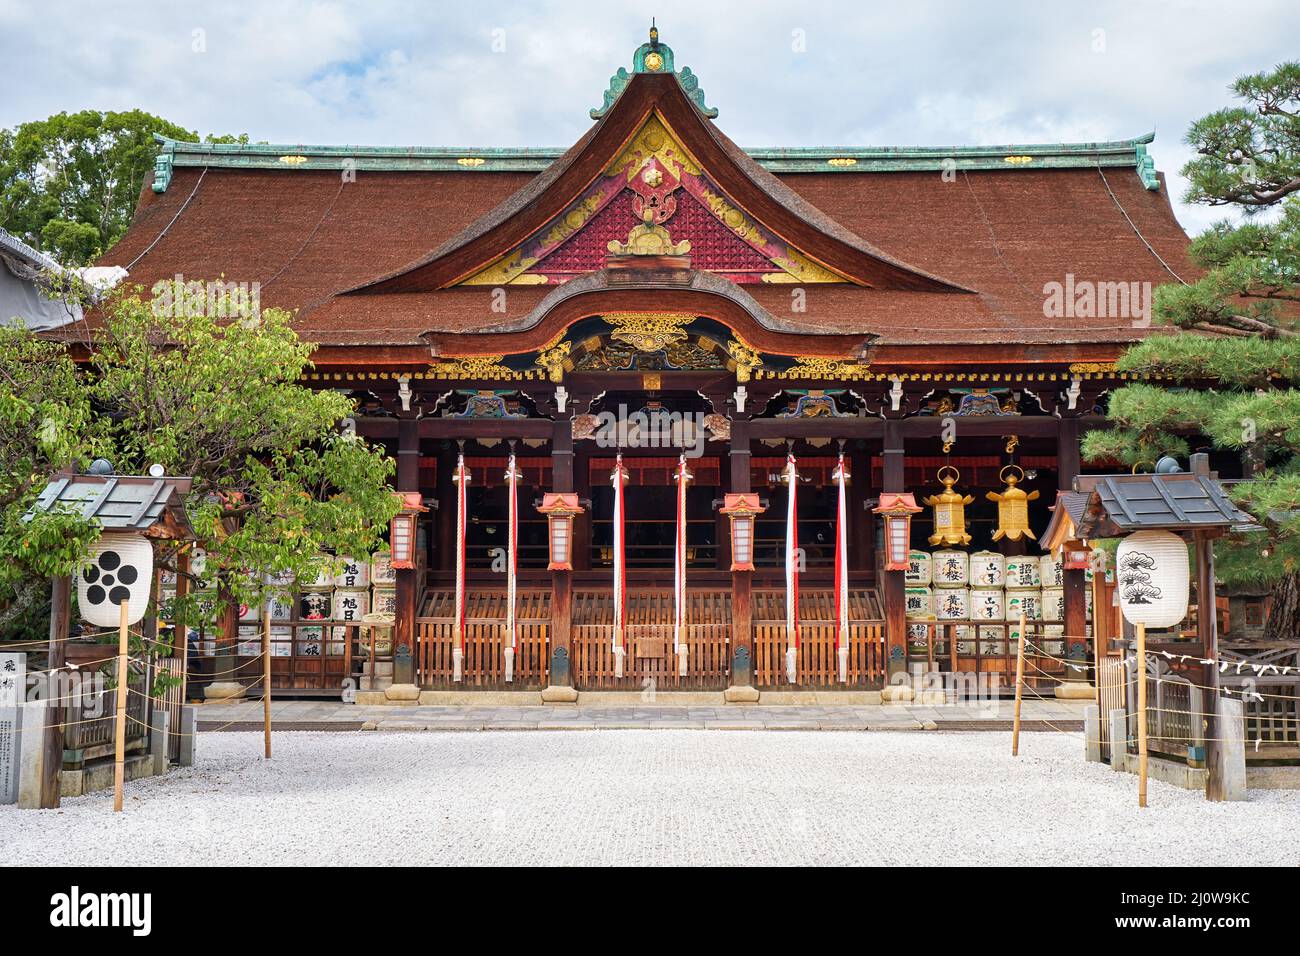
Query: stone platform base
[
  {"x": 74, "y": 783},
  {"x": 225, "y": 690},
  {"x": 558, "y": 694},
  {"x": 1075, "y": 690},
  {"x": 740, "y": 695}
]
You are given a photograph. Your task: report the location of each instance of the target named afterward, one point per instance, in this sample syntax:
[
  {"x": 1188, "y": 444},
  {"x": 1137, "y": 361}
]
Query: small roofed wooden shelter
[
  {"x": 1194, "y": 505},
  {"x": 153, "y": 507}
]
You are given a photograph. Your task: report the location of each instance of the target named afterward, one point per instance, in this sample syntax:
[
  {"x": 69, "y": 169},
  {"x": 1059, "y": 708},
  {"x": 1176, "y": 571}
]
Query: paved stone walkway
[{"x": 332, "y": 715}]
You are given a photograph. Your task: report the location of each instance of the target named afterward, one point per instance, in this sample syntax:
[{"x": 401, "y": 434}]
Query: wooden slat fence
[
  {"x": 650, "y": 663},
  {"x": 818, "y": 664},
  {"x": 485, "y": 635}
]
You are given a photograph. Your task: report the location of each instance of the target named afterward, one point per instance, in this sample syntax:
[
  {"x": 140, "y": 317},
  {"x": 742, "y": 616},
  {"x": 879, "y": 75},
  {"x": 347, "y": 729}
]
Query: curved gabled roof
[{"x": 747, "y": 184}]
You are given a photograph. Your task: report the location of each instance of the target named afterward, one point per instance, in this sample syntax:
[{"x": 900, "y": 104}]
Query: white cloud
[{"x": 406, "y": 72}]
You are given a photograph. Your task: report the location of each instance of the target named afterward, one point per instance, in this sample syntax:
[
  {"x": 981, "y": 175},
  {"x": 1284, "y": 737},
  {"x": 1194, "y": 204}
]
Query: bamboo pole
[
  {"x": 1142, "y": 712},
  {"x": 119, "y": 732},
  {"x": 1020, "y": 683},
  {"x": 266, "y": 676}
]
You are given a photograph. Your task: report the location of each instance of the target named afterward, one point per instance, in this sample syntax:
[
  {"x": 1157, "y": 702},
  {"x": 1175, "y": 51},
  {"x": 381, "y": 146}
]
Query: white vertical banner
[
  {"x": 842, "y": 570},
  {"x": 619, "y": 478},
  {"x": 512, "y": 555},
  {"x": 680, "y": 647},
  {"x": 461, "y": 478},
  {"x": 792, "y": 570}
]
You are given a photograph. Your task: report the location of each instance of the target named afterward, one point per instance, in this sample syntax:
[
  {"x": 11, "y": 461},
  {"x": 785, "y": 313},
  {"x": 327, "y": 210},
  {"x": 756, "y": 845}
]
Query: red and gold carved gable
[{"x": 654, "y": 198}]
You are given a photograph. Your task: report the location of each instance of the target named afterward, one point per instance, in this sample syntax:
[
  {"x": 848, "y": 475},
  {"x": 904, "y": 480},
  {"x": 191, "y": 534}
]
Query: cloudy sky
[{"x": 489, "y": 73}]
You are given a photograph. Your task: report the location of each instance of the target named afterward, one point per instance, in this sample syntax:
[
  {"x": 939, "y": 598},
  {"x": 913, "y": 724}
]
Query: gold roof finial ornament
[
  {"x": 1013, "y": 506},
  {"x": 949, "y": 510}
]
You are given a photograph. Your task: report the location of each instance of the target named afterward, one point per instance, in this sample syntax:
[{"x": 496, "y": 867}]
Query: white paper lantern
[
  {"x": 986, "y": 604},
  {"x": 987, "y": 569},
  {"x": 1023, "y": 573},
  {"x": 951, "y": 569},
  {"x": 952, "y": 604},
  {"x": 919, "y": 602},
  {"x": 1153, "y": 575},
  {"x": 1053, "y": 604},
  {"x": 1051, "y": 569},
  {"x": 117, "y": 568}
]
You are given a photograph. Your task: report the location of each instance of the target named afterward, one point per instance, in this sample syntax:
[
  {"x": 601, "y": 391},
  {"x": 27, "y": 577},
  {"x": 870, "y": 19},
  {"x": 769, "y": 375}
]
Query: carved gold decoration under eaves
[
  {"x": 746, "y": 359},
  {"x": 1083, "y": 368},
  {"x": 554, "y": 359},
  {"x": 799, "y": 268},
  {"x": 815, "y": 367},
  {"x": 474, "y": 367},
  {"x": 649, "y": 331}
]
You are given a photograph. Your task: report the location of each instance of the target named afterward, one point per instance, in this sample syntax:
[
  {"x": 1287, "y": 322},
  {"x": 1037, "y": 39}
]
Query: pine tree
[{"x": 1235, "y": 329}]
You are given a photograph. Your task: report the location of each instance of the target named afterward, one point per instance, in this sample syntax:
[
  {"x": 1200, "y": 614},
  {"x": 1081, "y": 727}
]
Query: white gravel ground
[{"x": 651, "y": 797}]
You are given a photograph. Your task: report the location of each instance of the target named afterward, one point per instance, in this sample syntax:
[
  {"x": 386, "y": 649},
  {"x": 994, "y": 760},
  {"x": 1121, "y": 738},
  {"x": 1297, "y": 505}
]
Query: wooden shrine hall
[{"x": 866, "y": 329}]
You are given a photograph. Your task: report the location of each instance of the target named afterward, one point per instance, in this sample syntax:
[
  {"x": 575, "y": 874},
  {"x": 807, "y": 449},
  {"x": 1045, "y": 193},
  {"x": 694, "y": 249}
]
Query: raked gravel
[{"x": 647, "y": 797}]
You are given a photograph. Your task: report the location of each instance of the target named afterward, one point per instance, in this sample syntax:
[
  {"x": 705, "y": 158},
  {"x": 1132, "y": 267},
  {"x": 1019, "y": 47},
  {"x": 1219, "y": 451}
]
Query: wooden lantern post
[{"x": 119, "y": 735}]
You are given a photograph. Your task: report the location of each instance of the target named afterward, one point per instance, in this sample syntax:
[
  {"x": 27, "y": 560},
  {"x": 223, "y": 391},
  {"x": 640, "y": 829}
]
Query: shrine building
[{"x": 543, "y": 338}]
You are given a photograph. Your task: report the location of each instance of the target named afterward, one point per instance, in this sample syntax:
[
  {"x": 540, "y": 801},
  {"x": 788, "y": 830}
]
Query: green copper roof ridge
[
  {"x": 794, "y": 159},
  {"x": 653, "y": 57}
]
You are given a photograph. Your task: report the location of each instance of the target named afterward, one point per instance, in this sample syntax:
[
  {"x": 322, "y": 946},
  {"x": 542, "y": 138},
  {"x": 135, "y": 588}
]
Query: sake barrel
[
  {"x": 951, "y": 604},
  {"x": 1023, "y": 573},
  {"x": 987, "y": 569},
  {"x": 350, "y": 604},
  {"x": 281, "y": 641},
  {"x": 250, "y": 612},
  {"x": 951, "y": 569},
  {"x": 279, "y": 579},
  {"x": 1051, "y": 570},
  {"x": 382, "y": 573},
  {"x": 1054, "y": 639},
  {"x": 314, "y": 605},
  {"x": 353, "y": 574},
  {"x": 963, "y": 635},
  {"x": 384, "y": 601},
  {"x": 919, "y": 602},
  {"x": 986, "y": 604},
  {"x": 1053, "y": 604},
  {"x": 279, "y": 607},
  {"x": 309, "y": 641},
  {"x": 918, "y": 640},
  {"x": 324, "y": 577},
  {"x": 1028, "y": 602},
  {"x": 992, "y": 639},
  {"x": 250, "y": 641}
]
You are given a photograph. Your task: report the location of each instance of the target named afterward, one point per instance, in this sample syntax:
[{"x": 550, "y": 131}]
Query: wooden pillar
[
  {"x": 408, "y": 583},
  {"x": 445, "y": 521},
  {"x": 1074, "y": 582},
  {"x": 742, "y": 582},
  {"x": 893, "y": 583},
  {"x": 52, "y": 762},
  {"x": 561, "y": 677},
  {"x": 1207, "y": 633}
]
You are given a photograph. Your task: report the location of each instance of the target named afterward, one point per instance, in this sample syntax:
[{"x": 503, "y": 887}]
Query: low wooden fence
[
  {"x": 90, "y": 716},
  {"x": 1112, "y": 692},
  {"x": 650, "y": 663},
  {"x": 818, "y": 663},
  {"x": 483, "y": 665}
]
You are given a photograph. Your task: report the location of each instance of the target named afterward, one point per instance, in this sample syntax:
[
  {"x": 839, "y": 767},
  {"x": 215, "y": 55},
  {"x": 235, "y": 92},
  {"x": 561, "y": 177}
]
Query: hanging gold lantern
[
  {"x": 949, "y": 510},
  {"x": 1013, "y": 506}
]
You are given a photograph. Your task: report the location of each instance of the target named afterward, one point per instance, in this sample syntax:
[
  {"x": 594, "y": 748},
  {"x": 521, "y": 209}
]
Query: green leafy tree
[
  {"x": 69, "y": 184},
  {"x": 208, "y": 386},
  {"x": 46, "y": 424},
  {"x": 1235, "y": 331}
]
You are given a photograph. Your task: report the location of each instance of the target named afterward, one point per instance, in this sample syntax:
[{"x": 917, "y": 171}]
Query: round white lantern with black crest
[
  {"x": 117, "y": 568},
  {"x": 1152, "y": 575}
]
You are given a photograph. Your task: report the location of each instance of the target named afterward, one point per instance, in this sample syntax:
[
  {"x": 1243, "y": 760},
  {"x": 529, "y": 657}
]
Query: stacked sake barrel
[
  {"x": 988, "y": 602},
  {"x": 919, "y": 601}
]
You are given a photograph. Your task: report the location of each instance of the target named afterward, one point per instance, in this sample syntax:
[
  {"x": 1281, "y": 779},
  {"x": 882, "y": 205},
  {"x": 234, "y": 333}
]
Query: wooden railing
[
  {"x": 485, "y": 630},
  {"x": 818, "y": 664},
  {"x": 90, "y": 714},
  {"x": 649, "y": 662}
]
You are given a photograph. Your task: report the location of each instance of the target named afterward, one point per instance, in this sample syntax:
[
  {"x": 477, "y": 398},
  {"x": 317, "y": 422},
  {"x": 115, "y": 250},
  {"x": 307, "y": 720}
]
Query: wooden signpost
[
  {"x": 1141, "y": 631},
  {"x": 266, "y": 677},
  {"x": 119, "y": 743}
]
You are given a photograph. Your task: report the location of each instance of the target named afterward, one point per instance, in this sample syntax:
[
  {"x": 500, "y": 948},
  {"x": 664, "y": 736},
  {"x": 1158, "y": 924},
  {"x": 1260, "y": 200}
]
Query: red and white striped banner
[
  {"x": 683, "y": 476},
  {"x": 842, "y": 568},
  {"x": 512, "y": 557},
  {"x": 619, "y": 477},
  {"x": 792, "y": 570},
  {"x": 461, "y": 478}
]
